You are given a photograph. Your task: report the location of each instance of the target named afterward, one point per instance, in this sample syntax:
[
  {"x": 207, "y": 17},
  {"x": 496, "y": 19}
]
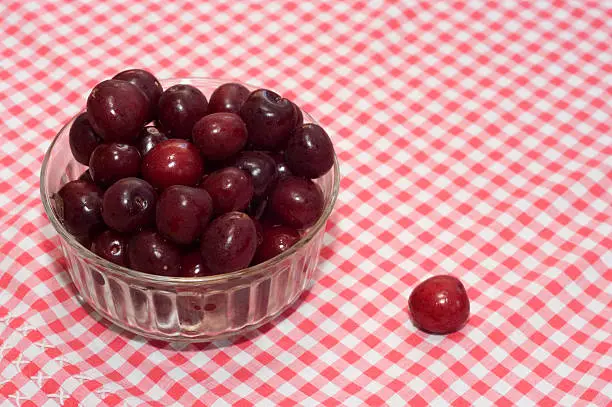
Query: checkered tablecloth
[{"x": 475, "y": 139}]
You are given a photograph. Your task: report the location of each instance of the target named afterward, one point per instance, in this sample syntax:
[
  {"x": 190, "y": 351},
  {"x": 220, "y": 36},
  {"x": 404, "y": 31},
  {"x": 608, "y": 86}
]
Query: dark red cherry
[
  {"x": 275, "y": 240},
  {"x": 82, "y": 138},
  {"x": 78, "y": 205},
  {"x": 439, "y": 305},
  {"x": 231, "y": 189},
  {"x": 111, "y": 246},
  {"x": 192, "y": 265},
  {"x": 309, "y": 152},
  {"x": 228, "y": 97},
  {"x": 129, "y": 205},
  {"x": 229, "y": 243},
  {"x": 173, "y": 162},
  {"x": 111, "y": 162},
  {"x": 269, "y": 119},
  {"x": 117, "y": 110},
  {"x": 149, "y": 137},
  {"x": 150, "y": 252},
  {"x": 179, "y": 108},
  {"x": 260, "y": 166},
  {"x": 183, "y": 212},
  {"x": 297, "y": 202},
  {"x": 148, "y": 84},
  {"x": 219, "y": 135},
  {"x": 282, "y": 169}
]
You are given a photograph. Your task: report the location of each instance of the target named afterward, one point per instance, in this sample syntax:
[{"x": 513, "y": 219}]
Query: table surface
[{"x": 474, "y": 140}]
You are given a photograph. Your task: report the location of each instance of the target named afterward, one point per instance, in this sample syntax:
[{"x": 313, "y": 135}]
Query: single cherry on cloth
[
  {"x": 83, "y": 139},
  {"x": 230, "y": 188},
  {"x": 228, "y": 97},
  {"x": 149, "y": 137},
  {"x": 439, "y": 305},
  {"x": 220, "y": 135},
  {"x": 151, "y": 253},
  {"x": 275, "y": 240},
  {"x": 183, "y": 212},
  {"x": 111, "y": 162},
  {"x": 229, "y": 243},
  {"x": 310, "y": 152},
  {"x": 117, "y": 110},
  {"x": 269, "y": 118},
  {"x": 78, "y": 205},
  {"x": 179, "y": 108},
  {"x": 192, "y": 265},
  {"x": 262, "y": 168},
  {"x": 148, "y": 84},
  {"x": 173, "y": 162},
  {"x": 129, "y": 205},
  {"x": 297, "y": 202},
  {"x": 112, "y": 246}
]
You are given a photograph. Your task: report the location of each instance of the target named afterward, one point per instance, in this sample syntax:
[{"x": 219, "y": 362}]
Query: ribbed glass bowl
[{"x": 180, "y": 308}]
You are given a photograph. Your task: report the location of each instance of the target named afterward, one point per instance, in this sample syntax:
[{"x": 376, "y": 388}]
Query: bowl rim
[{"x": 152, "y": 278}]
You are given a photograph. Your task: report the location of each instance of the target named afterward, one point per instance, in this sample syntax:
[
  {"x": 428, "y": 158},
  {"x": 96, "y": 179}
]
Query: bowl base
[{"x": 200, "y": 339}]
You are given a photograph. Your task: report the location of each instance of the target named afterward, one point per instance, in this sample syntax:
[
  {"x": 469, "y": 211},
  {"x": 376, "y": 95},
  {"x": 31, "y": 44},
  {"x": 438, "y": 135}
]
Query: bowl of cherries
[{"x": 189, "y": 209}]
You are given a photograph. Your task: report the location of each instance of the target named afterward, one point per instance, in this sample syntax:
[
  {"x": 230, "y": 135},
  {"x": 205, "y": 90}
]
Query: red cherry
[
  {"x": 439, "y": 305},
  {"x": 173, "y": 162}
]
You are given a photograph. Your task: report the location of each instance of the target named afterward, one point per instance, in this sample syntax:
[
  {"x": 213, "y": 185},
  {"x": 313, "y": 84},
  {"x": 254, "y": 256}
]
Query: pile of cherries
[{"x": 179, "y": 185}]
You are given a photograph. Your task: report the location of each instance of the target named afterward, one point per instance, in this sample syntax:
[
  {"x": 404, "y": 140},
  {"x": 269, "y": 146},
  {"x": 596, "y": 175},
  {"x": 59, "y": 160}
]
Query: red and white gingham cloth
[{"x": 475, "y": 139}]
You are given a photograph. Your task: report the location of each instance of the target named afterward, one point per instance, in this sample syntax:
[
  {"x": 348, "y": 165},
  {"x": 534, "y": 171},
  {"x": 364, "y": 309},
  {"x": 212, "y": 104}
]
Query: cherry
[
  {"x": 309, "y": 152},
  {"x": 220, "y": 135},
  {"x": 274, "y": 241},
  {"x": 78, "y": 205},
  {"x": 150, "y": 252},
  {"x": 192, "y": 265},
  {"x": 282, "y": 169},
  {"x": 129, "y": 205},
  {"x": 183, "y": 212},
  {"x": 297, "y": 202},
  {"x": 228, "y": 97},
  {"x": 230, "y": 188},
  {"x": 83, "y": 139},
  {"x": 117, "y": 110},
  {"x": 269, "y": 119},
  {"x": 260, "y": 166},
  {"x": 179, "y": 108},
  {"x": 111, "y": 246},
  {"x": 173, "y": 162},
  {"x": 229, "y": 243},
  {"x": 111, "y": 162},
  {"x": 439, "y": 305},
  {"x": 149, "y": 137},
  {"x": 148, "y": 84}
]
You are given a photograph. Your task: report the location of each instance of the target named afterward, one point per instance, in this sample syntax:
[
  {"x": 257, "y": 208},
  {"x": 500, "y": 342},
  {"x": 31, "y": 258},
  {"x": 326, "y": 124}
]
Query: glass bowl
[{"x": 180, "y": 308}]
